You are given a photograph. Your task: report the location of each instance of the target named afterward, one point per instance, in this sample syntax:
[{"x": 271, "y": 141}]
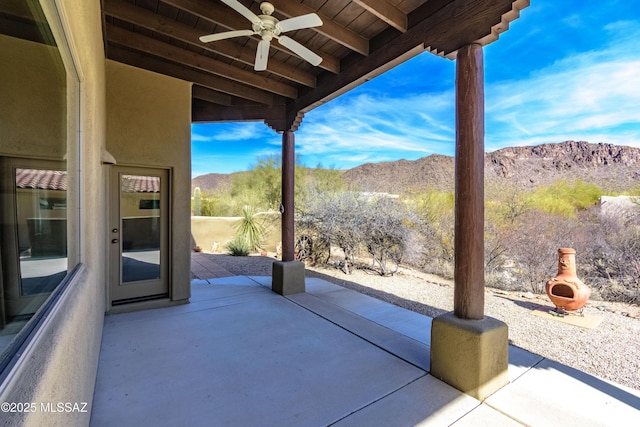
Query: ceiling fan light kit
[{"x": 268, "y": 28}]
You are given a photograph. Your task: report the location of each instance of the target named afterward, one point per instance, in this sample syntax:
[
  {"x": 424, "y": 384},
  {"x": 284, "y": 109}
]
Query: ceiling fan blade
[
  {"x": 300, "y": 50},
  {"x": 225, "y": 35},
  {"x": 243, "y": 10},
  {"x": 299, "y": 22},
  {"x": 262, "y": 55}
]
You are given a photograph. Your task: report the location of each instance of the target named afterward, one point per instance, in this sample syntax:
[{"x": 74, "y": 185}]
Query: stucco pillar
[
  {"x": 469, "y": 350},
  {"x": 288, "y": 275}
]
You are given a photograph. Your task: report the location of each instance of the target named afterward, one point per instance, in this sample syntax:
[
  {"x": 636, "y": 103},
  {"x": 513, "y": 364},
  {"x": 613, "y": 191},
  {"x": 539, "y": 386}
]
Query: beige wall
[
  {"x": 207, "y": 230},
  {"x": 60, "y": 363},
  {"x": 149, "y": 125},
  {"x": 147, "y": 120},
  {"x": 28, "y": 129}
]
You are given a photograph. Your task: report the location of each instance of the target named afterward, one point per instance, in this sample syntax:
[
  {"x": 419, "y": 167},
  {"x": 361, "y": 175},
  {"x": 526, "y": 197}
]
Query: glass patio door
[
  {"x": 33, "y": 234},
  {"x": 139, "y": 234}
]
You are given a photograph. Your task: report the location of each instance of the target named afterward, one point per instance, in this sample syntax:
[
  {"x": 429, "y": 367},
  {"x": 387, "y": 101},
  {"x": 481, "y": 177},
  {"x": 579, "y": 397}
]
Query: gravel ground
[{"x": 610, "y": 351}]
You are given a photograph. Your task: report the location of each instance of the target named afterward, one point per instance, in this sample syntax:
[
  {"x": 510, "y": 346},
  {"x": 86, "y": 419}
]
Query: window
[{"x": 34, "y": 185}]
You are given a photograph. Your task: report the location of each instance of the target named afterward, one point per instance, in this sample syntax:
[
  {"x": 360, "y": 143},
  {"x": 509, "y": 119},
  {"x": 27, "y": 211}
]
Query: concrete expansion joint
[
  {"x": 382, "y": 397},
  {"x": 360, "y": 336},
  {"x": 506, "y": 414}
]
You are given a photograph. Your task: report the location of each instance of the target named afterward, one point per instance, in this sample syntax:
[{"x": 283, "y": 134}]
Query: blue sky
[{"x": 565, "y": 70}]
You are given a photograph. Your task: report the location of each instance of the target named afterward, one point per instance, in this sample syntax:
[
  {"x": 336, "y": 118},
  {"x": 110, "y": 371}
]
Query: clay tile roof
[
  {"x": 41, "y": 179},
  {"x": 140, "y": 184},
  {"x": 57, "y": 180}
]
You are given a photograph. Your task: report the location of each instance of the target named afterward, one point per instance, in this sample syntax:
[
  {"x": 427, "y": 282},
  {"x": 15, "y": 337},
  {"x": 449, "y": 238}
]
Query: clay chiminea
[{"x": 566, "y": 291}]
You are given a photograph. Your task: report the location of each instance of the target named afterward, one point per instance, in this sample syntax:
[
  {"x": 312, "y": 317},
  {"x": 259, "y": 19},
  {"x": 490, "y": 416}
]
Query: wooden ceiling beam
[
  {"x": 191, "y": 59},
  {"x": 212, "y": 96},
  {"x": 275, "y": 116},
  {"x": 218, "y": 84},
  {"x": 153, "y": 22},
  {"x": 463, "y": 22},
  {"x": 210, "y": 12},
  {"x": 207, "y": 112},
  {"x": 443, "y": 27},
  {"x": 387, "y": 12},
  {"x": 329, "y": 29}
]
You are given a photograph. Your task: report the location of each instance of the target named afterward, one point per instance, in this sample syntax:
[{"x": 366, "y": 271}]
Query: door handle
[{"x": 114, "y": 240}]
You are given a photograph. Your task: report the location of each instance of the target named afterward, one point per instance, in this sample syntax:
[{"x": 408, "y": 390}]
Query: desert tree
[
  {"x": 612, "y": 257},
  {"x": 436, "y": 212},
  {"x": 387, "y": 231},
  {"x": 354, "y": 222}
]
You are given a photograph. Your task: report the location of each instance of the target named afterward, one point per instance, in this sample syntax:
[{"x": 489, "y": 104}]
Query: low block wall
[{"x": 208, "y": 230}]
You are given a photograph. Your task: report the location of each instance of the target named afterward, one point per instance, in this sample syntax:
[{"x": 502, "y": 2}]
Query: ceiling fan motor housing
[
  {"x": 267, "y": 8},
  {"x": 268, "y": 28}
]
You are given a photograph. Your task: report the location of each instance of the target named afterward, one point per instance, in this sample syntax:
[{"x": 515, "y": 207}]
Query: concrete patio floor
[{"x": 241, "y": 355}]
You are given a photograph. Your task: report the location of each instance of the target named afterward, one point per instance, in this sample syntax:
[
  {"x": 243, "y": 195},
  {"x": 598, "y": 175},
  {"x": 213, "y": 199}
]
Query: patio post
[
  {"x": 468, "y": 349},
  {"x": 288, "y": 196},
  {"x": 288, "y": 275},
  {"x": 469, "y": 185}
]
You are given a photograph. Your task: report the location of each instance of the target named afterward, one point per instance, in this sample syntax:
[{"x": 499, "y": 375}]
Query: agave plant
[{"x": 238, "y": 246}]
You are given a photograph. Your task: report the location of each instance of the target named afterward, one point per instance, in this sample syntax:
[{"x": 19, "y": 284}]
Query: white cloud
[
  {"x": 228, "y": 131},
  {"x": 373, "y": 127},
  {"x": 593, "y": 96}
]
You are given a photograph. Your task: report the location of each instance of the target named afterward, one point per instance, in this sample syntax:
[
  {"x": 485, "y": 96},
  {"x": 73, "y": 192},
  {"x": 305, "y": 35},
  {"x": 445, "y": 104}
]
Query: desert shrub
[
  {"x": 612, "y": 258},
  {"x": 607, "y": 259},
  {"x": 355, "y": 222},
  {"x": 386, "y": 228},
  {"x": 504, "y": 213},
  {"x": 219, "y": 205},
  {"x": 238, "y": 247},
  {"x": 436, "y": 212},
  {"x": 532, "y": 251},
  {"x": 250, "y": 228},
  {"x": 320, "y": 179},
  {"x": 523, "y": 256},
  {"x": 564, "y": 198},
  {"x": 261, "y": 185}
]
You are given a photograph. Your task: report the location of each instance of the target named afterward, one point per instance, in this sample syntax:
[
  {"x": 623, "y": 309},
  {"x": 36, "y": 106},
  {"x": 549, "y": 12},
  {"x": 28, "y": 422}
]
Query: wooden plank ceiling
[{"x": 358, "y": 40}]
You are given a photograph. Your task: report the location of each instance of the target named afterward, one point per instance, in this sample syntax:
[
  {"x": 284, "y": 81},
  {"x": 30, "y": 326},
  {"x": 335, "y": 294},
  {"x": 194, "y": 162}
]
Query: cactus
[{"x": 197, "y": 202}]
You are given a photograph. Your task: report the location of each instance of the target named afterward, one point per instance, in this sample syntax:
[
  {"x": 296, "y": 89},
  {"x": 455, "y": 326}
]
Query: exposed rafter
[
  {"x": 188, "y": 34},
  {"x": 358, "y": 40},
  {"x": 214, "y": 14},
  {"x": 193, "y": 60},
  {"x": 387, "y": 12},
  {"x": 329, "y": 29}
]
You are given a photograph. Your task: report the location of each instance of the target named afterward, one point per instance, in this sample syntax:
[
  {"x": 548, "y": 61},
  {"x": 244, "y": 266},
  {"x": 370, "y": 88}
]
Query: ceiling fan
[{"x": 269, "y": 28}]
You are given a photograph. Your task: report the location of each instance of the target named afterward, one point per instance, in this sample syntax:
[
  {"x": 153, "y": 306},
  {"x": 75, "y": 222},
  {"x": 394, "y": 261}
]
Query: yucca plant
[{"x": 250, "y": 228}]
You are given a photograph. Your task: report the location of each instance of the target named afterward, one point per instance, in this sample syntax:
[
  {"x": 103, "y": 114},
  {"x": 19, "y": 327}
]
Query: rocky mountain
[
  {"x": 212, "y": 182},
  {"x": 612, "y": 167},
  {"x": 402, "y": 176}
]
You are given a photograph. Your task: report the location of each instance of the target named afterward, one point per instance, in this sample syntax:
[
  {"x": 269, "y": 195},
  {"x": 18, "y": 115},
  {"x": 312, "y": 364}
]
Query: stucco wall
[
  {"x": 28, "y": 128},
  {"x": 149, "y": 125},
  {"x": 60, "y": 363},
  {"x": 207, "y": 230}
]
